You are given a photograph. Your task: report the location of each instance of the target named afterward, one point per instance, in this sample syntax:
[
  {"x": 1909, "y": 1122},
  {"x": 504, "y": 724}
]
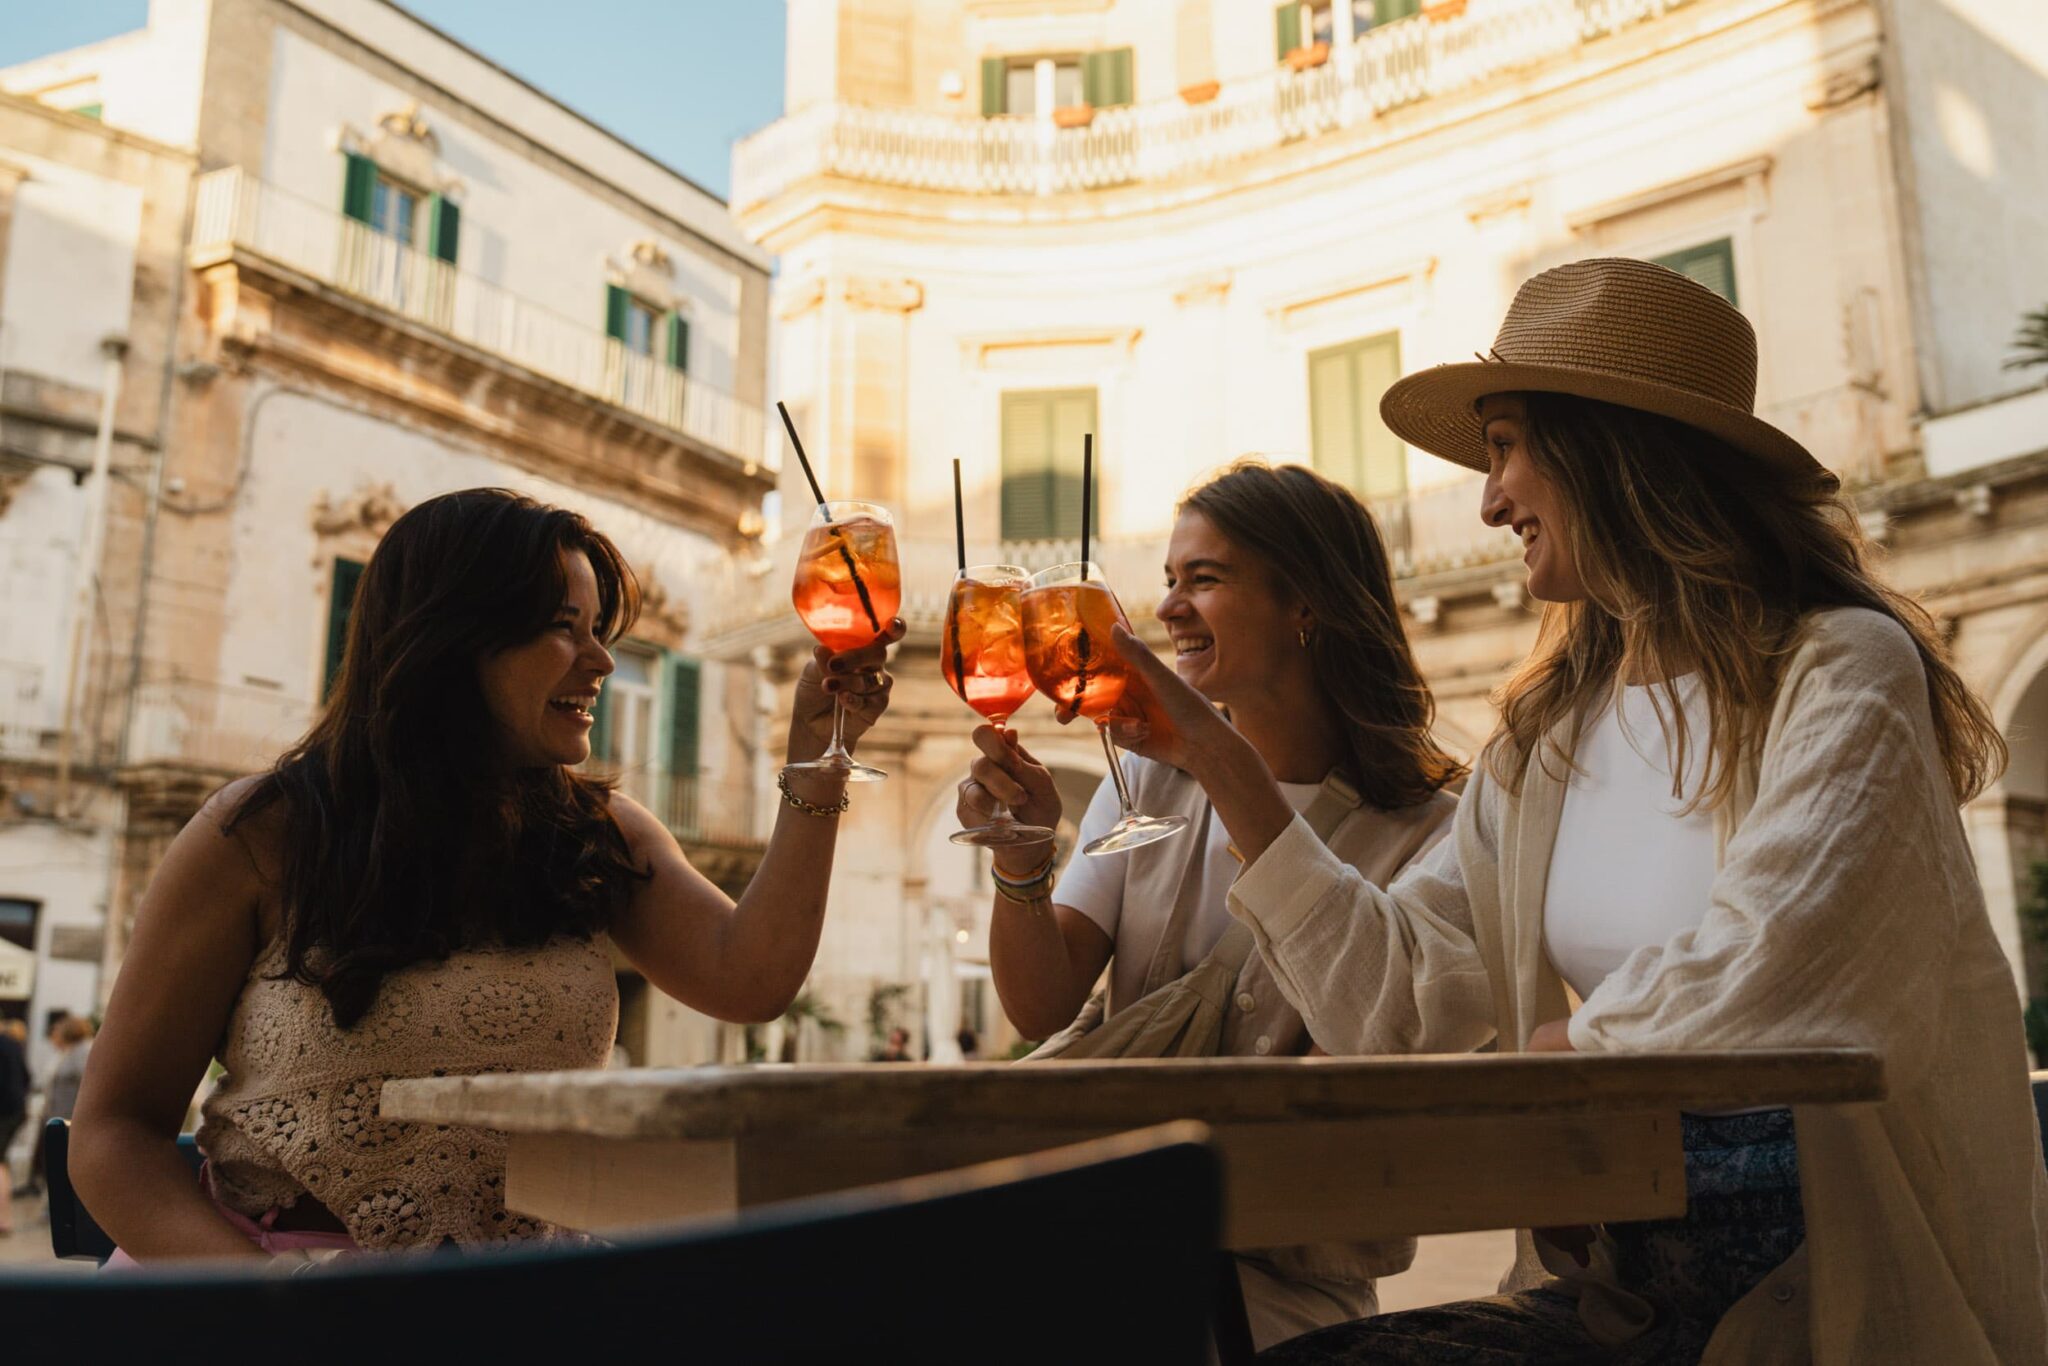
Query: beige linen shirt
[{"x": 1846, "y": 911}]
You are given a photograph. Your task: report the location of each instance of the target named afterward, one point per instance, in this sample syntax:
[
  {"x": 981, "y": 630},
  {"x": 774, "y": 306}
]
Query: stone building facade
[
  {"x": 1207, "y": 228},
  {"x": 360, "y": 266}
]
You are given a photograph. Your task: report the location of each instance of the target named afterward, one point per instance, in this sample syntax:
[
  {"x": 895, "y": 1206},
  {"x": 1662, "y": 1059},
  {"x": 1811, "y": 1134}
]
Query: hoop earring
[{"x": 1303, "y": 634}]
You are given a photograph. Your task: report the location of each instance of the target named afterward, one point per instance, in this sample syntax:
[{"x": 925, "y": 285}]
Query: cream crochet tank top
[{"x": 297, "y": 1111}]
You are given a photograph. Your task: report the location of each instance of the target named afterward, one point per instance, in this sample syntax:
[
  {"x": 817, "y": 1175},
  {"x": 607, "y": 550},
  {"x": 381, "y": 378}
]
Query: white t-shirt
[
  {"x": 1627, "y": 870},
  {"x": 1095, "y": 886}
]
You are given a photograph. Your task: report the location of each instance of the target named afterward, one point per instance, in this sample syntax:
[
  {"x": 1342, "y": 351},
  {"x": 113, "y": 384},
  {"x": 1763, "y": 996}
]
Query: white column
[
  {"x": 1041, "y": 104},
  {"x": 941, "y": 988}
]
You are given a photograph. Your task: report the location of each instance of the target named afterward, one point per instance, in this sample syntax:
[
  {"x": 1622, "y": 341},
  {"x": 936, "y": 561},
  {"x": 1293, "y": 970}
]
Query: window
[
  {"x": 17, "y": 956},
  {"x": 1711, "y": 264},
  {"x": 1014, "y": 85},
  {"x": 1306, "y": 24},
  {"x": 1042, "y": 431},
  {"x": 341, "y": 600},
  {"x": 643, "y": 322},
  {"x": 403, "y": 221},
  {"x": 1352, "y": 446},
  {"x": 395, "y": 210},
  {"x": 627, "y": 734}
]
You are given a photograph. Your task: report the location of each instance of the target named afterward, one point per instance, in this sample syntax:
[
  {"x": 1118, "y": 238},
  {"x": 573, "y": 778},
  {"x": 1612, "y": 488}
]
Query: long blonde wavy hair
[{"x": 1696, "y": 559}]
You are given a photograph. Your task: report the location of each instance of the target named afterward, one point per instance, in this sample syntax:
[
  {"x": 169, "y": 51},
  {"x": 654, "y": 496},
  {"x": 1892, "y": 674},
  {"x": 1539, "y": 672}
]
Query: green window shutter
[
  {"x": 995, "y": 73},
  {"x": 90, "y": 111},
  {"x": 615, "y": 312},
  {"x": 678, "y": 342},
  {"x": 341, "y": 599},
  {"x": 444, "y": 227},
  {"x": 358, "y": 187},
  {"x": 601, "y": 727},
  {"x": 1351, "y": 444},
  {"x": 1106, "y": 78},
  {"x": 1388, "y": 11},
  {"x": 685, "y": 700},
  {"x": 1711, "y": 264},
  {"x": 1287, "y": 28},
  {"x": 1042, "y": 433}
]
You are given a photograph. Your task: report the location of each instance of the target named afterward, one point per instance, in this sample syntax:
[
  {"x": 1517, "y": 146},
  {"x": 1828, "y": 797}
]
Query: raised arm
[
  {"x": 196, "y": 934},
  {"x": 745, "y": 961},
  {"x": 1371, "y": 970}
]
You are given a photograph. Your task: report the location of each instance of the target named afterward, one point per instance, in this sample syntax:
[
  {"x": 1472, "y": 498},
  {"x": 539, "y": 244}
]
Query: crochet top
[{"x": 297, "y": 1110}]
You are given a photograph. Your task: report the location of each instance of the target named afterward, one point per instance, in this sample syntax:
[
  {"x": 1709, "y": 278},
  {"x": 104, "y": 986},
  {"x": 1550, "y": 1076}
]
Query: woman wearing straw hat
[{"x": 1720, "y": 811}]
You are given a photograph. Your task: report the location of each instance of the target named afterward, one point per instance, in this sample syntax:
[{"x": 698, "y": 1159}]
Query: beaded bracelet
[{"x": 837, "y": 808}]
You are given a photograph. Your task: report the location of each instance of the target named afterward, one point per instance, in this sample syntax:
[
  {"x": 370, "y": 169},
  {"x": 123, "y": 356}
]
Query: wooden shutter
[
  {"x": 1351, "y": 444},
  {"x": 1287, "y": 29},
  {"x": 685, "y": 700},
  {"x": 340, "y": 601},
  {"x": 1387, "y": 11},
  {"x": 615, "y": 299},
  {"x": 995, "y": 74},
  {"x": 678, "y": 342},
  {"x": 1072, "y": 415},
  {"x": 1711, "y": 264},
  {"x": 1106, "y": 78},
  {"x": 1027, "y": 467},
  {"x": 358, "y": 187},
  {"x": 444, "y": 228}
]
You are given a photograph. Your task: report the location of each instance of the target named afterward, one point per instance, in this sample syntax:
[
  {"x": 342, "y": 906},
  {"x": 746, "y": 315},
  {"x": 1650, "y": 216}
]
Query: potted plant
[
  {"x": 1438, "y": 11},
  {"x": 2031, "y": 341},
  {"x": 1074, "y": 116},
  {"x": 1201, "y": 92},
  {"x": 1308, "y": 56}
]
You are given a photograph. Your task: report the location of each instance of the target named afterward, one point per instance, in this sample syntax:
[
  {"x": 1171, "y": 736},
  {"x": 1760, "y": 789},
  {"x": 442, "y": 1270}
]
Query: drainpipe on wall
[{"x": 113, "y": 349}]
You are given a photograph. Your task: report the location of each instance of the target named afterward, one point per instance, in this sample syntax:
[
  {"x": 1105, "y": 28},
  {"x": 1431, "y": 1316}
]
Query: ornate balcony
[
  {"x": 1387, "y": 68},
  {"x": 238, "y": 214}
]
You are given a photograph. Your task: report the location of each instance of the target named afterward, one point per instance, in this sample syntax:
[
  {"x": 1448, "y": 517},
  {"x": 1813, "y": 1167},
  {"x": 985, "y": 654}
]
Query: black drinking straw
[
  {"x": 959, "y": 518},
  {"x": 1087, "y": 493},
  {"x": 845, "y": 553}
]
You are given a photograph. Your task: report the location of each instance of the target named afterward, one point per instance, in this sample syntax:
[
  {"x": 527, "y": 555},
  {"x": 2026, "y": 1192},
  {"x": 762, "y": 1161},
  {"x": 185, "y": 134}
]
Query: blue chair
[
  {"x": 1105, "y": 1252},
  {"x": 73, "y": 1231}
]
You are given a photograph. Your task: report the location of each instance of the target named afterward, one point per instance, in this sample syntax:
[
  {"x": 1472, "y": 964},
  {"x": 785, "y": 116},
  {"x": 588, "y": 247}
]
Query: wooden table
[{"x": 1314, "y": 1148}]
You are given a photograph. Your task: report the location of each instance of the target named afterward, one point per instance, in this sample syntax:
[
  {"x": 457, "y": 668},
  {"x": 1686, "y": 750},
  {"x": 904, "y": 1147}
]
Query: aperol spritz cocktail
[
  {"x": 981, "y": 653},
  {"x": 848, "y": 589},
  {"x": 1068, "y": 613}
]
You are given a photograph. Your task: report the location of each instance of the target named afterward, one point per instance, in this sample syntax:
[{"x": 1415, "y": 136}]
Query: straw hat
[{"x": 1623, "y": 331}]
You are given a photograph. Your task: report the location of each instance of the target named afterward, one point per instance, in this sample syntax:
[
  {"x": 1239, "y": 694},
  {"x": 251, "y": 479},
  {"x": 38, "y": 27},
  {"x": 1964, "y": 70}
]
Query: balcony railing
[
  {"x": 697, "y": 809},
  {"x": 238, "y": 212},
  {"x": 1388, "y": 67},
  {"x": 1430, "y": 531}
]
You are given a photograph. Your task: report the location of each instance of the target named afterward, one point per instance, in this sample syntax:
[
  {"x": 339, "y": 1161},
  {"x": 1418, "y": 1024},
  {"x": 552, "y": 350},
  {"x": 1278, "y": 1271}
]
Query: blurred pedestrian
[
  {"x": 970, "y": 1046},
  {"x": 13, "y": 1110},
  {"x": 898, "y": 1047}
]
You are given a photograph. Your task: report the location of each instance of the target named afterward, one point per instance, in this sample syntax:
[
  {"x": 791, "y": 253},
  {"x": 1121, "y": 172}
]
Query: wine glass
[
  {"x": 1068, "y": 613},
  {"x": 848, "y": 588},
  {"x": 982, "y": 657}
]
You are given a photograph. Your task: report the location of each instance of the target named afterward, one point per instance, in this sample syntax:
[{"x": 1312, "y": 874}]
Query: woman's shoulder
[{"x": 1857, "y": 649}]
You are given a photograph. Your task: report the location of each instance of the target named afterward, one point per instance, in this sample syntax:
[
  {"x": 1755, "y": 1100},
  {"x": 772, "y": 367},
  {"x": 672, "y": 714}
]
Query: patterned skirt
[{"x": 1742, "y": 1221}]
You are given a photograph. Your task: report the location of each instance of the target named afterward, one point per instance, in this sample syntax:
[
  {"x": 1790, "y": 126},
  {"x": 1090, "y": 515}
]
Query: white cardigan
[{"x": 1846, "y": 912}]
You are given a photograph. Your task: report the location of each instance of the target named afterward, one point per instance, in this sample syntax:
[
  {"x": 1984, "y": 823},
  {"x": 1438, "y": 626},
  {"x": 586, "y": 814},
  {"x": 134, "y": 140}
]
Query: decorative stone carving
[
  {"x": 1426, "y": 609},
  {"x": 371, "y": 509},
  {"x": 885, "y": 296},
  {"x": 1975, "y": 500},
  {"x": 1510, "y": 594},
  {"x": 1838, "y": 88},
  {"x": 664, "y": 619}
]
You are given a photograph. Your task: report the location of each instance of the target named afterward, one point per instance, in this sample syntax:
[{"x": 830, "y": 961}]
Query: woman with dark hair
[
  {"x": 423, "y": 886},
  {"x": 1280, "y": 605},
  {"x": 1720, "y": 812}
]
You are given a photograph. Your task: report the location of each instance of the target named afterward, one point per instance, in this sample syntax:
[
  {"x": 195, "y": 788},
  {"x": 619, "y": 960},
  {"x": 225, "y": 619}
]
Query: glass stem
[
  {"x": 1001, "y": 815},
  {"x": 1116, "y": 774},
  {"x": 838, "y": 749}
]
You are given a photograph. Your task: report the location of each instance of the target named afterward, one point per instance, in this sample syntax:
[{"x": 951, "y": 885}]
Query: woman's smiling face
[
  {"x": 1232, "y": 626},
  {"x": 540, "y": 692},
  {"x": 1517, "y": 495}
]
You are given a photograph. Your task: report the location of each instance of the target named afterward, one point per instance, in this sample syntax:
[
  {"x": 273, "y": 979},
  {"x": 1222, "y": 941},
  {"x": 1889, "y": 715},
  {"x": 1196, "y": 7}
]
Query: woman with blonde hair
[{"x": 1720, "y": 812}]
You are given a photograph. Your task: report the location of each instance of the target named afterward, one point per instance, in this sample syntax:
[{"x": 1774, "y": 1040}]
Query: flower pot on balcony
[
  {"x": 1202, "y": 92},
  {"x": 1074, "y": 116},
  {"x": 1305, "y": 58},
  {"x": 1437, "y": 11}
]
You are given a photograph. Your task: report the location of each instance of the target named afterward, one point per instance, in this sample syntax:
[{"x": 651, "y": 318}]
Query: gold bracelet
[{"x": 837, "y": 808}]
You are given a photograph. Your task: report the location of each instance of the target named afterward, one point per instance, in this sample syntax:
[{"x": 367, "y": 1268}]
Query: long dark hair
[
  {"x": 403, "y": 836},
  {"x": 1322, "y": 546},
  {"x": 1698, "y": 558}
]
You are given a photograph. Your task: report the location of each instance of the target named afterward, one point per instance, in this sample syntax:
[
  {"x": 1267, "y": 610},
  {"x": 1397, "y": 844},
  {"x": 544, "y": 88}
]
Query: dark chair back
[
  {"x": 2040, "y": 1080},
  {"x": 1103, "y": 1252},
  {"x": 73, "y": 1232}
]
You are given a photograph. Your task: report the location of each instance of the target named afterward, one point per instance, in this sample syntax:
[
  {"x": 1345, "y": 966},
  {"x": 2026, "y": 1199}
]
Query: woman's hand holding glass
[
  {"x": 1006, "y": 774},
  {"x": 858, "y": 680}
]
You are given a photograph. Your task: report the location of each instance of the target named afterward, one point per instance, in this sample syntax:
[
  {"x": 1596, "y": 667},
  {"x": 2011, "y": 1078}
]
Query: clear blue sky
[{"x": 679, "y": 79}]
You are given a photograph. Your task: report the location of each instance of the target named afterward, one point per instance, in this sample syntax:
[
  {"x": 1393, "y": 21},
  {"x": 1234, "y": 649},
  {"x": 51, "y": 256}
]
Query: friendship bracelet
[
  {"x": 1025, "y": 890},
  {"x": 837, "y": 808}
]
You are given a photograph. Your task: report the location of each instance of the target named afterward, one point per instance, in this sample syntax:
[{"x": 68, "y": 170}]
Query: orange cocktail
[
  {"x": 981, "y": 653},
  {"x": 1068, "y": 615},
  {"x": 848, "y": 587}
]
